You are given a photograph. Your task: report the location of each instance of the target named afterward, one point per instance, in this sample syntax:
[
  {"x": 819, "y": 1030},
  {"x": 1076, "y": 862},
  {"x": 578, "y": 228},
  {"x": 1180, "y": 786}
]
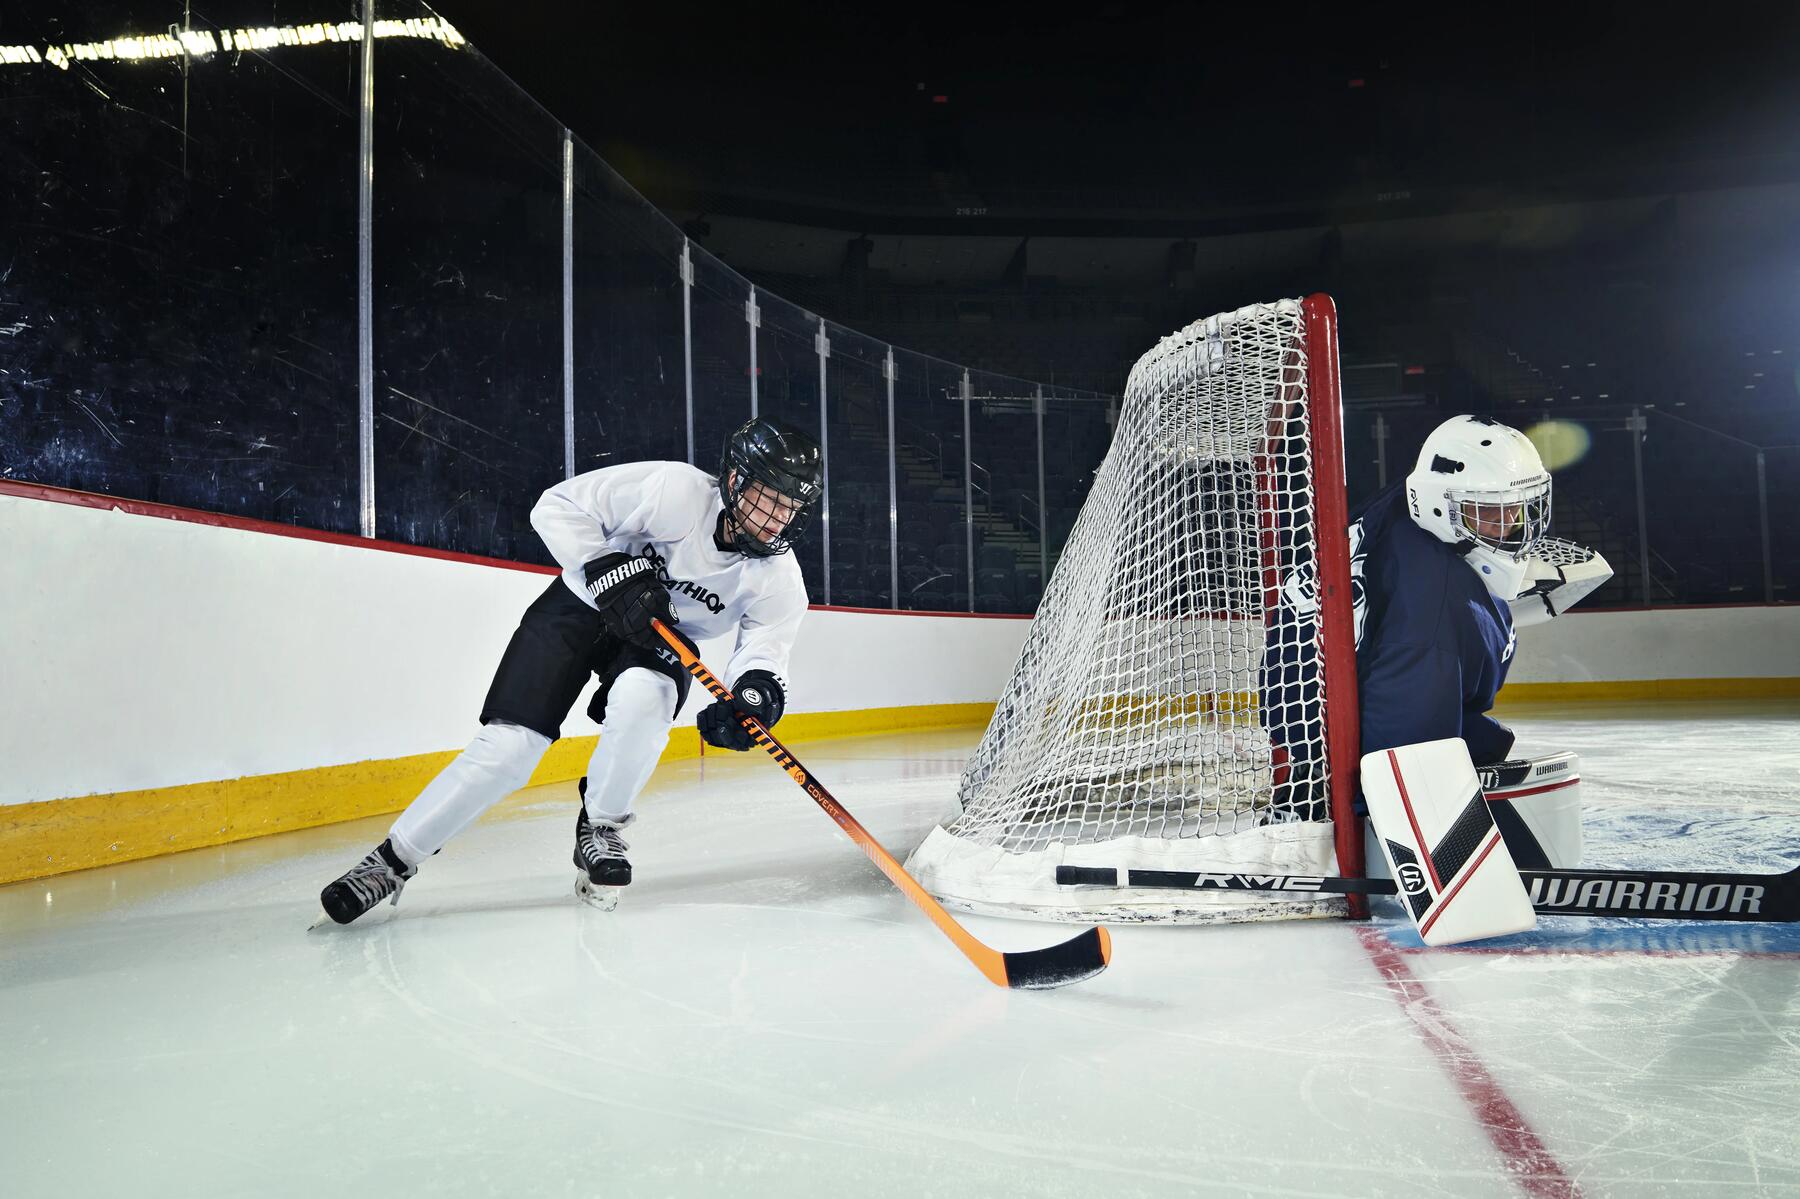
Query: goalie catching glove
[
  {"x": 757, "y": 693},
  {"x": 629, "y": 595}
]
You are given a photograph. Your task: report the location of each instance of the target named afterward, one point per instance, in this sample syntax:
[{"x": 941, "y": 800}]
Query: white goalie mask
[{"x": 1480, "y": 487}]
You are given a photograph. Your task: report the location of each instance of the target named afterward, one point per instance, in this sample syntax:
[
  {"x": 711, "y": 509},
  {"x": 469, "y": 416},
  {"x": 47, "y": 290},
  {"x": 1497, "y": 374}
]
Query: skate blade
[
  {"x": 324, "y": 917},
  {"x": 603, "y": 898}
]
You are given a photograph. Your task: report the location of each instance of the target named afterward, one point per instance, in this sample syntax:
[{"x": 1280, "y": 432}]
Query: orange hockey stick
[{"x": 1080, "y": 957}]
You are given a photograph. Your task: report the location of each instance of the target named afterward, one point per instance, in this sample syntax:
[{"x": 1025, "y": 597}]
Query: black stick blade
[{"x": 1079, "y": 957}]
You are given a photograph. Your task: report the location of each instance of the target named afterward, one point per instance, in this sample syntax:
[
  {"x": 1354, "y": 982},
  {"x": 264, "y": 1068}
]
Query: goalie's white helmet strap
[{"x": 1480, "y": 486}]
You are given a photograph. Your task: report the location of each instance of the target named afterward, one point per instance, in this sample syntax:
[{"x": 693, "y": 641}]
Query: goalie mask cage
[{"x": 1186, "y": 697}]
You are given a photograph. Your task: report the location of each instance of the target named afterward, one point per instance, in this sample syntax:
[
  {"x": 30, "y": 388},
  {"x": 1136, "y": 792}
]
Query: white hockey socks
[
  {"x": 497, "y": 762},
  {"x": 632, "y": 738}
]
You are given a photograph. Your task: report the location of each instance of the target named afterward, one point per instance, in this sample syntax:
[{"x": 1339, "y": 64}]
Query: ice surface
[{"x": 764, "y": 1014}]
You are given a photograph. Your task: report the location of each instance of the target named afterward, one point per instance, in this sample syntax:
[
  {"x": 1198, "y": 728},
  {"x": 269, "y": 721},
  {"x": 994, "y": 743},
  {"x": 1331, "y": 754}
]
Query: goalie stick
[
  {"x": 1642, "y": 894},
  {"x": 1080, "y": 957}
]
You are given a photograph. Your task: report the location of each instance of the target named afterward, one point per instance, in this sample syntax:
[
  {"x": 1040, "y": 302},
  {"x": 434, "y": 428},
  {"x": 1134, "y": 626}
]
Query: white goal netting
[{"x": 1166, "y": 712}]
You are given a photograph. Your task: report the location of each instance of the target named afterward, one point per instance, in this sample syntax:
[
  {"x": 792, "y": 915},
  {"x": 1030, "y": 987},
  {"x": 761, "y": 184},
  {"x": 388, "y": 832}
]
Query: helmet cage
[
  {"x": 1531, "y": 525},
  {"x": 735, "y": 479}
]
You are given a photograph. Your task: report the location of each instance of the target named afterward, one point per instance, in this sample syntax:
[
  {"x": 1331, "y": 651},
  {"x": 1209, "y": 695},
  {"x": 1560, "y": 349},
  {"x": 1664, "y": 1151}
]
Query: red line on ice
[{"x": 1528, "y": 1160}]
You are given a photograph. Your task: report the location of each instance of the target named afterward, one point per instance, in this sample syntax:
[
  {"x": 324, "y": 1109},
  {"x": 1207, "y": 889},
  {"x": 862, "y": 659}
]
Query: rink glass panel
[
  {"x": 787, "y": 364},
  {"x": 1362, "y": 476},
  {"x": 933, "y": 513},
  {"x": 860, "y": 535},
  {"x": 630, "y": 390},
  {"x": 1594, "y": 503},
  {"x": 1076, "y": 434},
  {"x": 721, "y": 352},
  {"x": 1783, "y": 470},
  {"x": 1003, "y": 448},
  {"x": 468, "y": 301},
  {"x": 1708, "y": 552},
  {"x": 179, "y": 288}
]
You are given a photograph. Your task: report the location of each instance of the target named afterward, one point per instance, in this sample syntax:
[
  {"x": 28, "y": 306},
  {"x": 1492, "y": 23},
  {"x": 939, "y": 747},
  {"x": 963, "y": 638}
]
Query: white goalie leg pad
[
  {"x": 1537, "y": 804},
  {"x": 1457, "y": 881}
]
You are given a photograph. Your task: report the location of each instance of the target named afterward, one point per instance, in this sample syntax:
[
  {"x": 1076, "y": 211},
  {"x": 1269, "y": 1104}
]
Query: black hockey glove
[
  {"x": 758, "y": 693},
  {"x": 629, "y": 595}
]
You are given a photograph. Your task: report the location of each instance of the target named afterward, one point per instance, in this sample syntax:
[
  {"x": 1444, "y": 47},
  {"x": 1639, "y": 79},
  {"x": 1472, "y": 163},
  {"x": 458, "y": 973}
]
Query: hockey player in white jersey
[{"x": 649, "y": 540}]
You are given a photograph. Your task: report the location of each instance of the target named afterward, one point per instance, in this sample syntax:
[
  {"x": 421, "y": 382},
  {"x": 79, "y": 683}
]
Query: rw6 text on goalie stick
[{"x": 1079, "y": 957}]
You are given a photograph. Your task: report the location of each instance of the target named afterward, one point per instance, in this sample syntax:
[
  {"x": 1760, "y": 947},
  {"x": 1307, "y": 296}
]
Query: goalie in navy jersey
[
  {"x": 1438, "y": 562},
  {"x": 707, "y": 556}
]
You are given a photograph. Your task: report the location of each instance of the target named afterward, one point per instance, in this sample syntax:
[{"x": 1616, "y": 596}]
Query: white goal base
[{"x": 989, "y": 881}]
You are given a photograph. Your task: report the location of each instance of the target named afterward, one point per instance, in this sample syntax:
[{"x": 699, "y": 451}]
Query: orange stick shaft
[{"x": 990, "y": 962}]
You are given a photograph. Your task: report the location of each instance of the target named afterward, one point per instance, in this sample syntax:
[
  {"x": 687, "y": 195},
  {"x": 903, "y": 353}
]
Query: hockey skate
[
  {"x": 377, "y": 877},
  {"x": 600, "y": 858}
]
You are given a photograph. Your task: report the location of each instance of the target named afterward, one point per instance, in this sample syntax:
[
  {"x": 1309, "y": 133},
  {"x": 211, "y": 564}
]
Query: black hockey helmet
[{"x": 788, "y": 464}]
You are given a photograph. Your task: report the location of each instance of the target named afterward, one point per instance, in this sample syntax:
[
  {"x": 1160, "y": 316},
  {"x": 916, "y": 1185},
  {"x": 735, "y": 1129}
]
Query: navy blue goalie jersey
[{"x": 1432, "y": 643}]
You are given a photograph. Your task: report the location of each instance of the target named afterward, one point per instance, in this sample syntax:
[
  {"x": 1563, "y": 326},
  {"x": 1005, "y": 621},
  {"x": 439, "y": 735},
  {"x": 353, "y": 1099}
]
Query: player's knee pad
[
  {"x": 506, "y": 752},
  {"x": 639, "y": 698},
  {"x": 1536, "y": 803}
]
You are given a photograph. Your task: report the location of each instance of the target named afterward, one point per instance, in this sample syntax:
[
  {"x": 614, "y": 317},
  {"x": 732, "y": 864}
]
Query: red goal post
[{"x": 1337, "y": 623}]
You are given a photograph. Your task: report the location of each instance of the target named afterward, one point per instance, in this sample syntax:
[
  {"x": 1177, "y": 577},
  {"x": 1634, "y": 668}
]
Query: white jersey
[{"x": 666, "y": 512}]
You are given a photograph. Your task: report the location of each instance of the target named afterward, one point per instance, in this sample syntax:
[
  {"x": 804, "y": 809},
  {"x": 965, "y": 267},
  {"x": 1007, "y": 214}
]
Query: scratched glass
[
  {"x": 1008, "y": 526},
  {"x": 178, "y": 269},
  {"x": 1077, "y": 432},
  {"x": 721, "y": 355},
  {"x": 787, "y": 389},
  {"x": 468, "y": 299},
  {"x": 933, "y": 513},
  {"x": 856, "y": 400},
  {"x": 630, "y": 394}
]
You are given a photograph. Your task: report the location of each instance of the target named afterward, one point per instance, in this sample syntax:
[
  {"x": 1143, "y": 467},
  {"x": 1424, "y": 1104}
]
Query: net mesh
[{"x": 1165, "y": 709}]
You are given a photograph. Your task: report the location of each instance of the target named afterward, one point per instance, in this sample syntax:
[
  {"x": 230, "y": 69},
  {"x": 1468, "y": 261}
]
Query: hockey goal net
[{"x": 1186, "y": 697}]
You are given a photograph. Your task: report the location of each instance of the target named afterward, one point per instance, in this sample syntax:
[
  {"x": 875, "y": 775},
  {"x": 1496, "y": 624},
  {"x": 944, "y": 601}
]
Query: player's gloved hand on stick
[
  {"x": 629, "y": 595},
  {"x": 757, "y": 693}
]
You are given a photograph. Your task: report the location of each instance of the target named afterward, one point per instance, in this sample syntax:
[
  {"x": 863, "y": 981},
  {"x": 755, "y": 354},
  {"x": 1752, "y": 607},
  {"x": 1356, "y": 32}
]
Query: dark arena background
[{"x": 304, "y": 304}]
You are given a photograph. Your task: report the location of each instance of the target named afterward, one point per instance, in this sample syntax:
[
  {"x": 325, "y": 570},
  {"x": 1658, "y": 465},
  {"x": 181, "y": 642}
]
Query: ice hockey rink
[{"x": 765, "y": 1014}]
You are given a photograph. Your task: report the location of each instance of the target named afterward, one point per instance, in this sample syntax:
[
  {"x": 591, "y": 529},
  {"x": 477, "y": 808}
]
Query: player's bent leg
[
  {"x": 496, "y": 763},
  {"x": 640, "y": 707}
]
